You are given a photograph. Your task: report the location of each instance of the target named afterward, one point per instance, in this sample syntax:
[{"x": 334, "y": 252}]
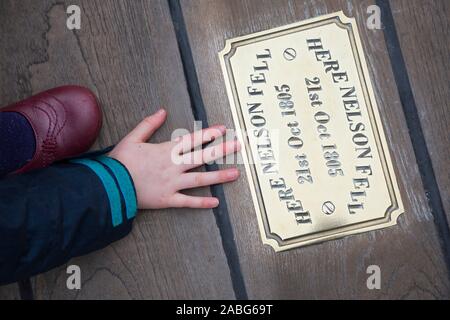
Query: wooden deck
[{"x": 141, "y": 54}]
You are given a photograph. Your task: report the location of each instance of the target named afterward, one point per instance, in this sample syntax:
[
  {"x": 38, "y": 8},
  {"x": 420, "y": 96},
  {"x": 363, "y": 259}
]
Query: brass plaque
[{"x": 314, "y": 149}]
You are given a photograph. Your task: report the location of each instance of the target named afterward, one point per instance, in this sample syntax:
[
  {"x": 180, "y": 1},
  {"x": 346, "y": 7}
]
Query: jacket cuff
[
  {"x": 125, "y": 183},
  {"x": 118, "y": 185}
]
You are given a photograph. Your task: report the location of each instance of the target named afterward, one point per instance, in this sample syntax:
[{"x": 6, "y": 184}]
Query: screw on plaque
[
  {"x": 290, "y": 54},
  {"x": 328, "y": 207}
]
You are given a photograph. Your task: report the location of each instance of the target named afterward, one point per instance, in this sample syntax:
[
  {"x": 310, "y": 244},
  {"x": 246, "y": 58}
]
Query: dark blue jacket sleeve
[{"x": 69, "y": 209}]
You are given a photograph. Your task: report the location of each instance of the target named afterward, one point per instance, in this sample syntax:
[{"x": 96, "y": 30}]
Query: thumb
[{"x": 145, "y": 129}]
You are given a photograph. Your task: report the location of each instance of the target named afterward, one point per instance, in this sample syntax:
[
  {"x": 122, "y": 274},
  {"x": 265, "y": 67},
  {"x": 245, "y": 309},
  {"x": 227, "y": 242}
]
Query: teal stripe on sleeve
[
  {"x": 125, "y": 184},
  {"x": 110, "y": 187}
]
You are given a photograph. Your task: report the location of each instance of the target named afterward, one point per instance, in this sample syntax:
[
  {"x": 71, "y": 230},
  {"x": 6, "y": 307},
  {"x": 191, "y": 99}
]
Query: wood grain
[
  {"x": 409, "y": 255},
  {"x": 126, "y": 52},
  {"x": 424, "y": 32},
  {"x": 10, "y": 292}
]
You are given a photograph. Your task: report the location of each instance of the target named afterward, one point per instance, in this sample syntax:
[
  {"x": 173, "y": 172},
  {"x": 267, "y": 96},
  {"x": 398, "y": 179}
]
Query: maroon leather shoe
[{"x": 66, "y": 121}]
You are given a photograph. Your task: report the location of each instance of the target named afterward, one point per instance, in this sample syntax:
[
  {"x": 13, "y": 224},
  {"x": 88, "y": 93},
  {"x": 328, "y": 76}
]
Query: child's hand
[{"x": 159, "y": 170}]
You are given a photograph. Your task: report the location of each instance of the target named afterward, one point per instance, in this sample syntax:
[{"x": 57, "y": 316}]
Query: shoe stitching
[
  {"x": 65, "y": 112},
  {"x": 99, "y": 121},
  {"x": 49, "y": 143},
  {"x": 55, "y": 115},
  {"x": 47, "y": 147}
]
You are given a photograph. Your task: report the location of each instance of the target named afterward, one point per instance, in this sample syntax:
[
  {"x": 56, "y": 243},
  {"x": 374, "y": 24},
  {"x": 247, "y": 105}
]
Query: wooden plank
[
  {"x": 127, "y": 54},
  {"x": 10, "y": 292},
  {"x": 409, "y": 255},
  {"x": 424, "y": 29}
]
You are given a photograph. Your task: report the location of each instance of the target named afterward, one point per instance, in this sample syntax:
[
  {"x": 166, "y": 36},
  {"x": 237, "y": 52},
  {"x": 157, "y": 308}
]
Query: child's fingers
[
  {"x": 202, "y": 179},
  {"x": 145, "y": 129},
  {"x": 190, "y": 141},
  {"x": 180, "y": 200},
  {"x": 199, "y": 157}
]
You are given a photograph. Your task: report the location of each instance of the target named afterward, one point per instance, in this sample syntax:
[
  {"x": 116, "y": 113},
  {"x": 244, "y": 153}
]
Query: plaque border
[{"x": 392, "y": 212}]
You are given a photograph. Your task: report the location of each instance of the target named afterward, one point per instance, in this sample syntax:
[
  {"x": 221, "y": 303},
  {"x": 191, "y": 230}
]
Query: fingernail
[
  {"x": 221, "y": 127},
  {"x": 215, "y": 202},
  {"x": 161, "y": 111},
  {"x": 233, "y": 173}
]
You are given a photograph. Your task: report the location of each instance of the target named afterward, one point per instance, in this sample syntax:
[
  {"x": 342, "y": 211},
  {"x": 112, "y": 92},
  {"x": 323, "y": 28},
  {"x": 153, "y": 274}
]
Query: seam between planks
[
  {"x": 221, "y": 213},
  {"x": 415, "y": 128},
  {"x": 25, "y": 289}
]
